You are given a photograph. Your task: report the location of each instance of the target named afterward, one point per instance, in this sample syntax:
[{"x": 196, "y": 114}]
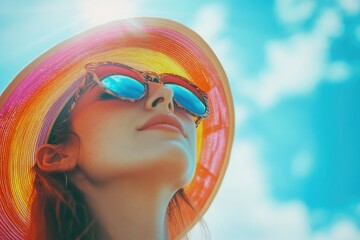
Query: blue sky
[{"x": 294, "y": 69}]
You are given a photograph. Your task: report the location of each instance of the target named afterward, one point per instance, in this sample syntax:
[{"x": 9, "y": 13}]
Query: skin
[{"x": 128, "y": 176}]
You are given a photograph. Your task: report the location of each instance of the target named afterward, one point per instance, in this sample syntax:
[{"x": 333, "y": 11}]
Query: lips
[{"x": 163, "y": 120}]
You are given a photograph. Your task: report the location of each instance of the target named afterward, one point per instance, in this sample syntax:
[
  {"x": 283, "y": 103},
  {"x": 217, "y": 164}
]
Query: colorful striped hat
[{"x": 33, "y": 100}]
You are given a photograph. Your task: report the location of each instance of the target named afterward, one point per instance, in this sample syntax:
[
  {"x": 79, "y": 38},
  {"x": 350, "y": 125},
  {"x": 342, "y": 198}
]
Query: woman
[{"x": 127, "y": 129}]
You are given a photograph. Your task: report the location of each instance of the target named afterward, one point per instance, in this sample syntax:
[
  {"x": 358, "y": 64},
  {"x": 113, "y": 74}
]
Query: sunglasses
[{"x": 131, "y": 85}]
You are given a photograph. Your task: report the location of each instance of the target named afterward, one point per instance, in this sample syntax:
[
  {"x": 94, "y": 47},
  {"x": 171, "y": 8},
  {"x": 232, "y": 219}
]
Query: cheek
[
  {"x": 103, "y": 142},
  {"x": 190, "y": 129},
  {"x": 192, "y": 149}
]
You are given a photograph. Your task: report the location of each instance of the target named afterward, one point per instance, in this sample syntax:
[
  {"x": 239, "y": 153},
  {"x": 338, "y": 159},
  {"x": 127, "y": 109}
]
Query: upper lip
[{"x": 163, "y": 119}]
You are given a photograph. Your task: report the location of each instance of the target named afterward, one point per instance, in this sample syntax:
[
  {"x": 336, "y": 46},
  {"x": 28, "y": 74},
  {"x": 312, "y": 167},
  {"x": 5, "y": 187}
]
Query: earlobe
[{"x": 52, "y": 158}]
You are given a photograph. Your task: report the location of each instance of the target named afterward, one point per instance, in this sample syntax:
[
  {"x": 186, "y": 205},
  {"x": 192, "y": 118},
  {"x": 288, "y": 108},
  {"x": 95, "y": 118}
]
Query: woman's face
[{"x": 120, "y": 139}]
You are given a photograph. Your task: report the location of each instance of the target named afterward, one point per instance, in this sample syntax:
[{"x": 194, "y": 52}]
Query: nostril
[{"x": 158, "y": 100}]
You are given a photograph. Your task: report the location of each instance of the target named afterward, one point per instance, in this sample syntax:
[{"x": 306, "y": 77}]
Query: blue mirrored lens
[
  {"x": 124, "y": 86},
  {"x": 187, "y": 99}
]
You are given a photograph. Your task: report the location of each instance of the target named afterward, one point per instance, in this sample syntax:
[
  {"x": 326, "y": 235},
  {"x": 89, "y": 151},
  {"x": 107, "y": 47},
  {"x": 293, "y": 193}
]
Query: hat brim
[{"x": 31, "y": 103}]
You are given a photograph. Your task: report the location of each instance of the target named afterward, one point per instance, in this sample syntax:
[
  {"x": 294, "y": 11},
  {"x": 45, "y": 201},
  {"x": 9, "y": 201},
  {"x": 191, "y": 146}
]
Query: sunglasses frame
[{"x": 143, "y": 77}]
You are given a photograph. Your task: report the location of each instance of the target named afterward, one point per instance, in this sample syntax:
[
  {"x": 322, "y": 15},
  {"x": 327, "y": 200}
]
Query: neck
[{"x": 129, "y": 208}]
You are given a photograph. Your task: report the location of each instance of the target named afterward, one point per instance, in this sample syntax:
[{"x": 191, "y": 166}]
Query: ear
[{"x": 52, "y": 158}]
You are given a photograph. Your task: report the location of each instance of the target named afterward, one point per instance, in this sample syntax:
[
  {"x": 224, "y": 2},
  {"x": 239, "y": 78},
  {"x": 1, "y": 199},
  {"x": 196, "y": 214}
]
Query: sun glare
[{"x": 96, "y": 12}]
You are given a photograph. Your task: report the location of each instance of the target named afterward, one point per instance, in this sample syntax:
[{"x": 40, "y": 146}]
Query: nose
[{"x": 159, "y": 97}]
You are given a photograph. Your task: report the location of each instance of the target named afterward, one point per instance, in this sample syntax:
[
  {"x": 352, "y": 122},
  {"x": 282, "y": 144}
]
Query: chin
[{"x": 175, "y": 166}]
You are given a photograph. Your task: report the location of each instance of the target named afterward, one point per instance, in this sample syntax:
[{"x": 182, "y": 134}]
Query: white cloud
[
  {"x": 342, "y": 230},
  {"x": 294, "y": 66},
  {"x": 338, "y": 71},
  {"x": 294, "y": 11},
  {"x": 242, "y": 113},
  {"x": 95, "y": 12},
  {"x": 351, "y": 7},
  {"x": 297, "y": 64},
  {"x": 210, "y": 23},
  {"x": 243, "y": 208},
  {"x": 329, "y": 24}
]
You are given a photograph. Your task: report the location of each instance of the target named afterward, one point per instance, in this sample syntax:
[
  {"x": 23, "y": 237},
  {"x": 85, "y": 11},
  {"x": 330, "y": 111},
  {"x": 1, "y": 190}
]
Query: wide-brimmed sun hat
[{"x": 33, "y": 100}]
